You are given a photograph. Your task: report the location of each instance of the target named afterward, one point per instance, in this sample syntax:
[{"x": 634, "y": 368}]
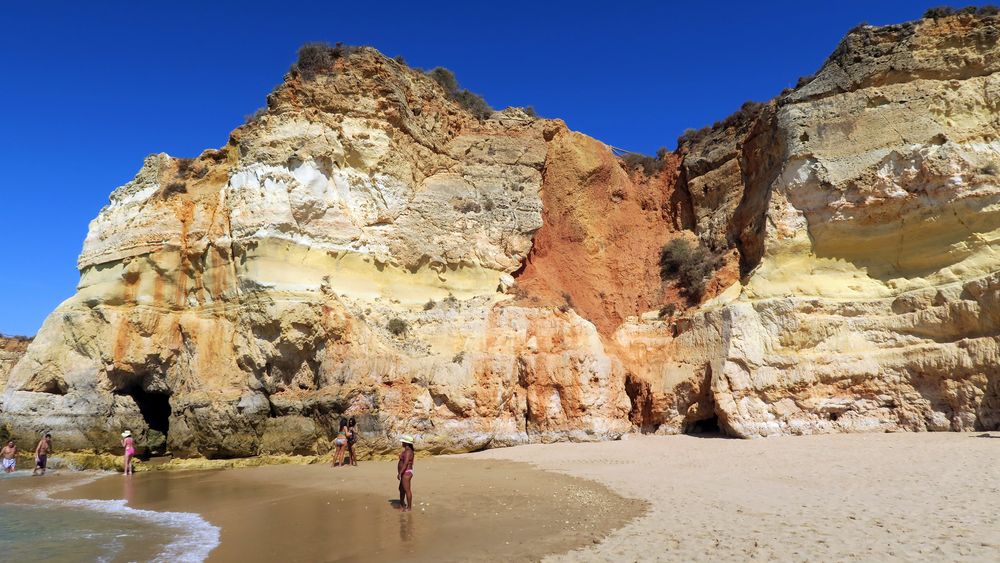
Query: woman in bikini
[
  {"x": 341, "y": 442},
  {"x": 404, "y": 472},
  {"x": 352, "y": 436},
  {"x": 129, "y": 446}
]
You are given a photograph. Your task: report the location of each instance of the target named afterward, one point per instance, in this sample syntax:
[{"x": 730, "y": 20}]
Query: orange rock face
[{"x": 603, "y": 227}]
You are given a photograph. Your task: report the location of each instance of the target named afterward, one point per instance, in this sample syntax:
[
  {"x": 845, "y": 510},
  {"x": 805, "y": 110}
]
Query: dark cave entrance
[
  {"x": 706, "y": 428},
  {"x": 155, "y": 410}
]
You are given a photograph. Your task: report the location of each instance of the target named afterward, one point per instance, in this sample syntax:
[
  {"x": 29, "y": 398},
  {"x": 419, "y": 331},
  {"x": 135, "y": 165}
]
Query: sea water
[{"x": 98, "y": 530}]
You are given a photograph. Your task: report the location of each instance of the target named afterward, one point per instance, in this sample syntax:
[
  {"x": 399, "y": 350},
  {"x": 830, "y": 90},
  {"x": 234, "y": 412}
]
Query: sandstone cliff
[
  {"x": 11, "y": 350},
  {"x": 864, "y": 207},
  {"x": 368, "y": 247}
]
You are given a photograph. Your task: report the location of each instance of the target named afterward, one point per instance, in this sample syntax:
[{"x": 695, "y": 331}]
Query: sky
[{"x": 88, "y": 89}]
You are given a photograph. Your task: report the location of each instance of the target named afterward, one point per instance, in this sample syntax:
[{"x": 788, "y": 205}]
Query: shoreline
[
  {"x": 478, "y": 510},
  {"x": 87, "y": 529},
  {"x": 841, "y": 496}
]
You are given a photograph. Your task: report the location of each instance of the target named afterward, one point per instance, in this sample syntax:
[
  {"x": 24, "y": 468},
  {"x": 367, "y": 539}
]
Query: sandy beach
[
  {"x": 465, "y": 510},
  {"x": 867, "y": 497}
]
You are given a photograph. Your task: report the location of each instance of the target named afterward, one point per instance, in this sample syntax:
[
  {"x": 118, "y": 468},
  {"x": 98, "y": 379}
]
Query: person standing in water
[
  {"x": 42, "y": 451},
  {"x": 352, "y": 436},
  {"x": 404, "y": 473},
  {"x": 341, "y": 442},
  {"x": 8, "y": 457},
  {"x": 129, "y": 446}
]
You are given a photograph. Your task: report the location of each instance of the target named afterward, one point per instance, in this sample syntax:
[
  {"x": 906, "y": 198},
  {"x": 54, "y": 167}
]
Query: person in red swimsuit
[{"x": 404, "y": 473}]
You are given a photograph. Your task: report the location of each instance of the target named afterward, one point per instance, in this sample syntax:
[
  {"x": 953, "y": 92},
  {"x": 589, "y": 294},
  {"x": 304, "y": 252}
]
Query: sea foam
[{"x": 194, "y": 537}]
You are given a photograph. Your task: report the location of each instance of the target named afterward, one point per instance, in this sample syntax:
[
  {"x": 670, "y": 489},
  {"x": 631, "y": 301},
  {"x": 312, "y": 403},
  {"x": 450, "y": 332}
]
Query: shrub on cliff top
[
  {"x": 945, "y": 11},
  {"x": 445, "y": 79},
  {"x": 315, "y": 58},
  {"x": 472, "y": 102},
  {"x": 648, "y": 164},
  {"x": 691, "y": 265},
  {"x": 939, "y": 12},
  {"x": 17, "y": 337},
  {"x": 257, "y": 114},
  {"x": 747, "y": 113}
]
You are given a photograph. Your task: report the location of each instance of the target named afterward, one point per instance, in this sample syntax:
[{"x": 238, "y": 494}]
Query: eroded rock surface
[
  {"x": 867, "y": 225},
  {"x": 11, "y": 350},
  {"x": 368, "y": 248}
]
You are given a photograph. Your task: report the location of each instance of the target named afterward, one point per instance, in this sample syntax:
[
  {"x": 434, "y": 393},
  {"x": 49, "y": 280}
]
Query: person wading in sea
[
  {"x": 42, "y": 451},
  {"x": 9, "y": 457},
  {"x": 404, "y": 472}
]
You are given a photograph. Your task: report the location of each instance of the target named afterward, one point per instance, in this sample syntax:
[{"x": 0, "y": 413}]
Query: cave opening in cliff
[
  {"x": 155, "y": 410},
  {"x": 705, "y": 427}
]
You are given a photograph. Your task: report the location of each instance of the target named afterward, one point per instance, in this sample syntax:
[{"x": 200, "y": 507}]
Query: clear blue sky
[{"x": 90, "y": 88}]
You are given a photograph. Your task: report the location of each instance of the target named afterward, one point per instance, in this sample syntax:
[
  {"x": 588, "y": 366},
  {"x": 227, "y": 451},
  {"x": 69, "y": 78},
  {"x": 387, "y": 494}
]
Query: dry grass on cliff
[
  {"x": 16, "y": 337},
  {"x": 472, "y": 102},
  {"x": 691, "y": 265},
  {"x": 739, "y": 119},
  {"x": 649, "y": 165},
  {"x": 317, "y": 58},
  {"x": 946, "y": 11},
  {"x": 397, "y": 327}
]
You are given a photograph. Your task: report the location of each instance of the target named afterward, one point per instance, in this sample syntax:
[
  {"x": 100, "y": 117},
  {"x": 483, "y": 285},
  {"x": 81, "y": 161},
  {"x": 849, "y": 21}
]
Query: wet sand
[
  {"x": 867, "y": 497},
  {"x": 34, "y": 524},
  {"x": 465, "y": 510}
]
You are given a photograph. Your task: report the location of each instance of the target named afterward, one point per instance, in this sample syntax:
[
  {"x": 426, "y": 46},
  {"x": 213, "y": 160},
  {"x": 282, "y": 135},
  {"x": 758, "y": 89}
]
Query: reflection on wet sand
[
  {"x": 309, "y": 513},
  {"x": 405, "y": 527}
]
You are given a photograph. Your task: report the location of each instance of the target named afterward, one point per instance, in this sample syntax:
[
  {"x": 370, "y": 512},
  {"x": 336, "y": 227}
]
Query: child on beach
[
  {"x": 8, "y": 457},
  {"x": 42, "y": 451},
  {"x": 404, "y": 473},
  {"x": 129, "y": 446},
  {"x": 341, "y": 442}
]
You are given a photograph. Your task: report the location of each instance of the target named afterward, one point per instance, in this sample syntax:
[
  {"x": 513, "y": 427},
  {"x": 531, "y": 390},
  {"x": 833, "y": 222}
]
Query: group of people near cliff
[
  {"x": 8, "y": 455},
  {"x": 347, "y": 436}
]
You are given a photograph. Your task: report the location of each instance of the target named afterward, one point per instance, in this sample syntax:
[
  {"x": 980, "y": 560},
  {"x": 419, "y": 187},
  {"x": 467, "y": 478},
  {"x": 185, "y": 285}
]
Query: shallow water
[
  {"x": 464, "y": 510},
  {"x": 34, "y": 526}
]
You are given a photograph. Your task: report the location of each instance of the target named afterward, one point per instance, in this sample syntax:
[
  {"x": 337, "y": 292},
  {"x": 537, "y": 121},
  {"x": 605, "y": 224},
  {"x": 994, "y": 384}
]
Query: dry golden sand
[
  {"x": 465, "y": 510},
  {"x": 868, "y": 497}
]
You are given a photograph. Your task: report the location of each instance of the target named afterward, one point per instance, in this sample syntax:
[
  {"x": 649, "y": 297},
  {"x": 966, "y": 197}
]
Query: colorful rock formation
[{"x": 368, "y": 247}]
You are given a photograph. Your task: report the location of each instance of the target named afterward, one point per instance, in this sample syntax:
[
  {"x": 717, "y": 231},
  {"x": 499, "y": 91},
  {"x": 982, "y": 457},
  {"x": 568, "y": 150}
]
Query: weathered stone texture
[{"x": 368, "y": 248}]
